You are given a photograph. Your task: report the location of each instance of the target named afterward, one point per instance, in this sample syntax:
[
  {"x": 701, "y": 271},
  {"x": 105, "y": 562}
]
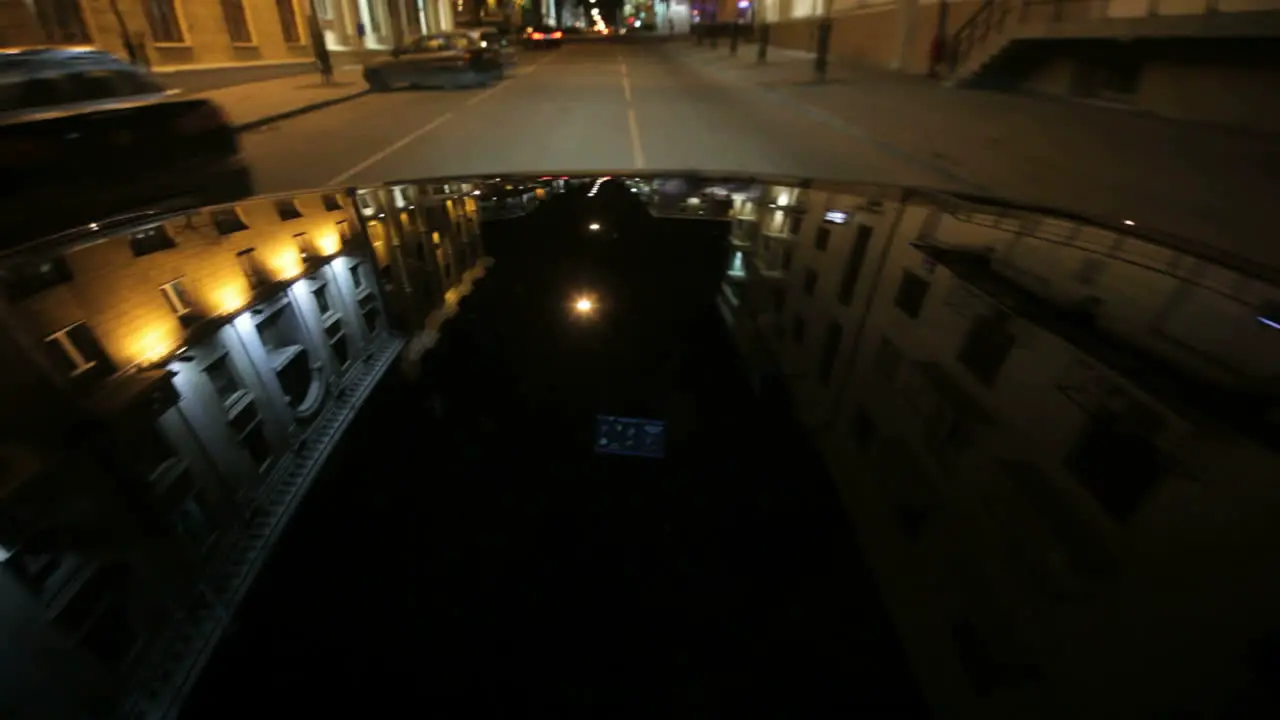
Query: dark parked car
[
  {"x": 542, "y": 36},
  {"x": 85, "y": 135},
  {"x": 455, "y": 59}
]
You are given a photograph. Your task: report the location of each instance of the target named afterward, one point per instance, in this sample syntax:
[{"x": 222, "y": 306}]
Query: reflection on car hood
[{"x": 1079, "y": 417}]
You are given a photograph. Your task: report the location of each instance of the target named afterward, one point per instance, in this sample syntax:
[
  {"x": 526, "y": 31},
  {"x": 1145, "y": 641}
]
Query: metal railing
[{"x": 995, "y": 17}]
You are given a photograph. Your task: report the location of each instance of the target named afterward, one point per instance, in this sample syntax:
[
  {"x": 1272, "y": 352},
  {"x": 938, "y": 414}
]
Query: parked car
[
  {"x": 453, "y": 59},
  {"x": 542, "y": 36},
  {"x": 85, "y": 135},
  {"x": 493, "y": 37}
]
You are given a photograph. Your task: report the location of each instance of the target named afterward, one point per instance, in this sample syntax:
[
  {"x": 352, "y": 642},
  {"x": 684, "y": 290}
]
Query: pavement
[
  {"x": 252, "y": 105},
  {"x": 675, "y": 105}
]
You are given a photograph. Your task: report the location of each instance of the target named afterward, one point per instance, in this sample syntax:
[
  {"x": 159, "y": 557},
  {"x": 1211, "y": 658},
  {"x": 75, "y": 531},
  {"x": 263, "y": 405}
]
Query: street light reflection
[{"x": 593, "y": 227}]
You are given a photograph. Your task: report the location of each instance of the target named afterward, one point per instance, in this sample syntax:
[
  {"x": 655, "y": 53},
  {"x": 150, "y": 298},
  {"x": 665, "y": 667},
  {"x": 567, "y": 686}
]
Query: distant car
[
  {"x": 453, "y": 59},
  {"x": 542, "y": 37},
  {"x": 84, "y": 136}
]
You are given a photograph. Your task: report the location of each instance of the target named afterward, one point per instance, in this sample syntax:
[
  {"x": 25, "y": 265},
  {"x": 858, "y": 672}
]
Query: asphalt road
[{"x": 588, "y": 106}]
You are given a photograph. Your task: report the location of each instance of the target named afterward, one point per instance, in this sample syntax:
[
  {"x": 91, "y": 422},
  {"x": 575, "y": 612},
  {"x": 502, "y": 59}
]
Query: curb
[{"x": 294, "y": 112}]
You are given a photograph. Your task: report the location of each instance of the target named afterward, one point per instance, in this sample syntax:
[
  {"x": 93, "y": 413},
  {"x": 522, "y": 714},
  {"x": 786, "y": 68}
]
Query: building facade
[
  {"x": 171, "y": 389},
  {"x": 259, "y": 37},
  {"x": 1058, "y": 524}
]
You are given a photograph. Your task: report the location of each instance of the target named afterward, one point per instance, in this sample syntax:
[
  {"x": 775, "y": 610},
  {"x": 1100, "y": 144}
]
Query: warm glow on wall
[
  {"x": 155, "y": 343},
  {"x": 230, "y": 298},
  {"x": 328, "y": 243},
  {"x": 287, "y": 264}
]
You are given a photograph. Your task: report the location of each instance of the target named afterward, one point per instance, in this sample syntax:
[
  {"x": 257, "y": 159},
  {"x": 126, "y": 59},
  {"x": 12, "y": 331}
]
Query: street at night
[{"x": 639, "y": 359}]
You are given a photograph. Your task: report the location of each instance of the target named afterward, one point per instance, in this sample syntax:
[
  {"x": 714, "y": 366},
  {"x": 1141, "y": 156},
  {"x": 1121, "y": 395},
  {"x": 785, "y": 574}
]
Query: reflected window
[
  {"x": 151, "y": 240},
  {"x": 853, "y": 264},
  {"x": 822, "y": 238},
  {"x": 810, "y": 281},
  {"x": 797, "y": 329},
  {"x": 227, "y": 221},
  {"x": 282, "y": 337},
  {"x": 830, "y": 347},
  {"x": 225, "y": 384},
  {"x": 288, "y": 209},
  {"x": 911, "y": 293},
  {"x": 736, "y": 266},
  {"x": 77, "y": 353},
  {"x": 370, "y": 313},
  {"x": 176, "y": 295},
  {"x": 24, "y": 280},
  {"x": 357, "y": 276},
  {"x": 986, "y": 346}
]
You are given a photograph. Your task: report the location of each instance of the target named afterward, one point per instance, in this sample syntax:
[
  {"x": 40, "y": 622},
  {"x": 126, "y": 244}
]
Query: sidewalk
[
  {"x": 255, "y": 104},
  {"x": 1210, "y": 184}
]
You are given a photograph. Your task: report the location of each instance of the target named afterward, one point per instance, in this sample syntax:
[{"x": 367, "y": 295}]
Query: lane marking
[
  {"x": 428, "y": 128},
  {"x": 637, "y": 152},
  {"x": 394, "y": 147},
  {"x": 626, "y": 87},
  {"x": 527, "y": 71}
]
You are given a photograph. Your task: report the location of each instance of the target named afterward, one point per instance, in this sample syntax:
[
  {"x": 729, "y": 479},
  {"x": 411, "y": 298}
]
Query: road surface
[{"x": 587, "y": 106}]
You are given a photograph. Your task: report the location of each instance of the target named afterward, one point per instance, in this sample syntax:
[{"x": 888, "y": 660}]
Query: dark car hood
[{"x": 1066, "y": 417}]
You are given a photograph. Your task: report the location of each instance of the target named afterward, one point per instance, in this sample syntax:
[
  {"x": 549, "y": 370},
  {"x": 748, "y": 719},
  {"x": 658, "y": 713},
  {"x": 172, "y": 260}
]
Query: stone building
[
  {"x": 1048, "y": 434},
  {"x": 170, "y": 390}
]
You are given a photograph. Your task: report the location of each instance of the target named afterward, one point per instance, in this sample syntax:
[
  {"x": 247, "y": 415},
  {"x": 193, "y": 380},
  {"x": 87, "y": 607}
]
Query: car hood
[{"x": 1070, "y": 418}]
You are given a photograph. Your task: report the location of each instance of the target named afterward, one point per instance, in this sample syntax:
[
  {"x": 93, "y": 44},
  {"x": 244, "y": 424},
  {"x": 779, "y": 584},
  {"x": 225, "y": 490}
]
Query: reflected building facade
[
  {"x": 1056, "y": 440},
  {"x": 171, "y": 389}
]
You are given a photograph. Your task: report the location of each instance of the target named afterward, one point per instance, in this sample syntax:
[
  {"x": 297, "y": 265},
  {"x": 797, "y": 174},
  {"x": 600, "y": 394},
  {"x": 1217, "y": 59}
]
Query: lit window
[
  {"x": 175, "y": 293},
  {"x": 251, "y": 268},
  {"x": 76, "y": 350}
]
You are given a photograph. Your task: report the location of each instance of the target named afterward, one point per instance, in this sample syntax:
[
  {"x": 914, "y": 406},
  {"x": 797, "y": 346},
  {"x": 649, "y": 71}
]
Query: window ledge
[
  {"x": 183, "y": 44},
  {"x": 244, "y": 44}
]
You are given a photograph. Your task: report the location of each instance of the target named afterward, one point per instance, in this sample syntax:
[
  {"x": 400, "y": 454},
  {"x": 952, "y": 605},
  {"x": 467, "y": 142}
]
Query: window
[
  {"x": 175, "y": 293},
  {"x": 853, "y": 264},
  {"x": 810, "y": 281},
  {"x": 247, "y": 425},
  {"x": 151, "y": 240},
  {"x": 370, "y": 312},
  {"x": 985, "y": 347},
  {"x": 911, "y": 292},
  {"x": 888, "y": 360},
  {"x": 283, "y": 337},
  {"x": 62, "y": 21},
  {"x": 786, "y": 258},
  {"x": 1117, "y": 464},
  {"x": 823, "y": 237},
  {"x": 830, "y": 346},
  {"x": 227, "y": 221},
  {"x": 331, "y": 202},
  {"x": 25, "y": 280},
  {"x": 288, "y": 210},
  {"x": 76, "y": 351},
  {"x": 251, "y": 268},
  {"x": 225, "y": 384},
  {"x": 797, "y": 329},
  {"x": 289, "y": 20},
  {"x": 794, "y": 223},
  {"x": 337, "y": 342},
  {"x": 323, "y": 10},
  {"x": 237, "y": 22},
  {"x": 321, "y": 295},
  {"x": 357, "y": 276},
  {"x": 779, "y": 299},
  {"x": 162, "y": 18}
]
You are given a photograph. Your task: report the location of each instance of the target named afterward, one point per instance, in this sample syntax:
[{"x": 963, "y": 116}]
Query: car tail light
[
  {"x": 557, "y": 35},
  {"x": 537, "y": 36},
  {"x": 205, "y": 117}
]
